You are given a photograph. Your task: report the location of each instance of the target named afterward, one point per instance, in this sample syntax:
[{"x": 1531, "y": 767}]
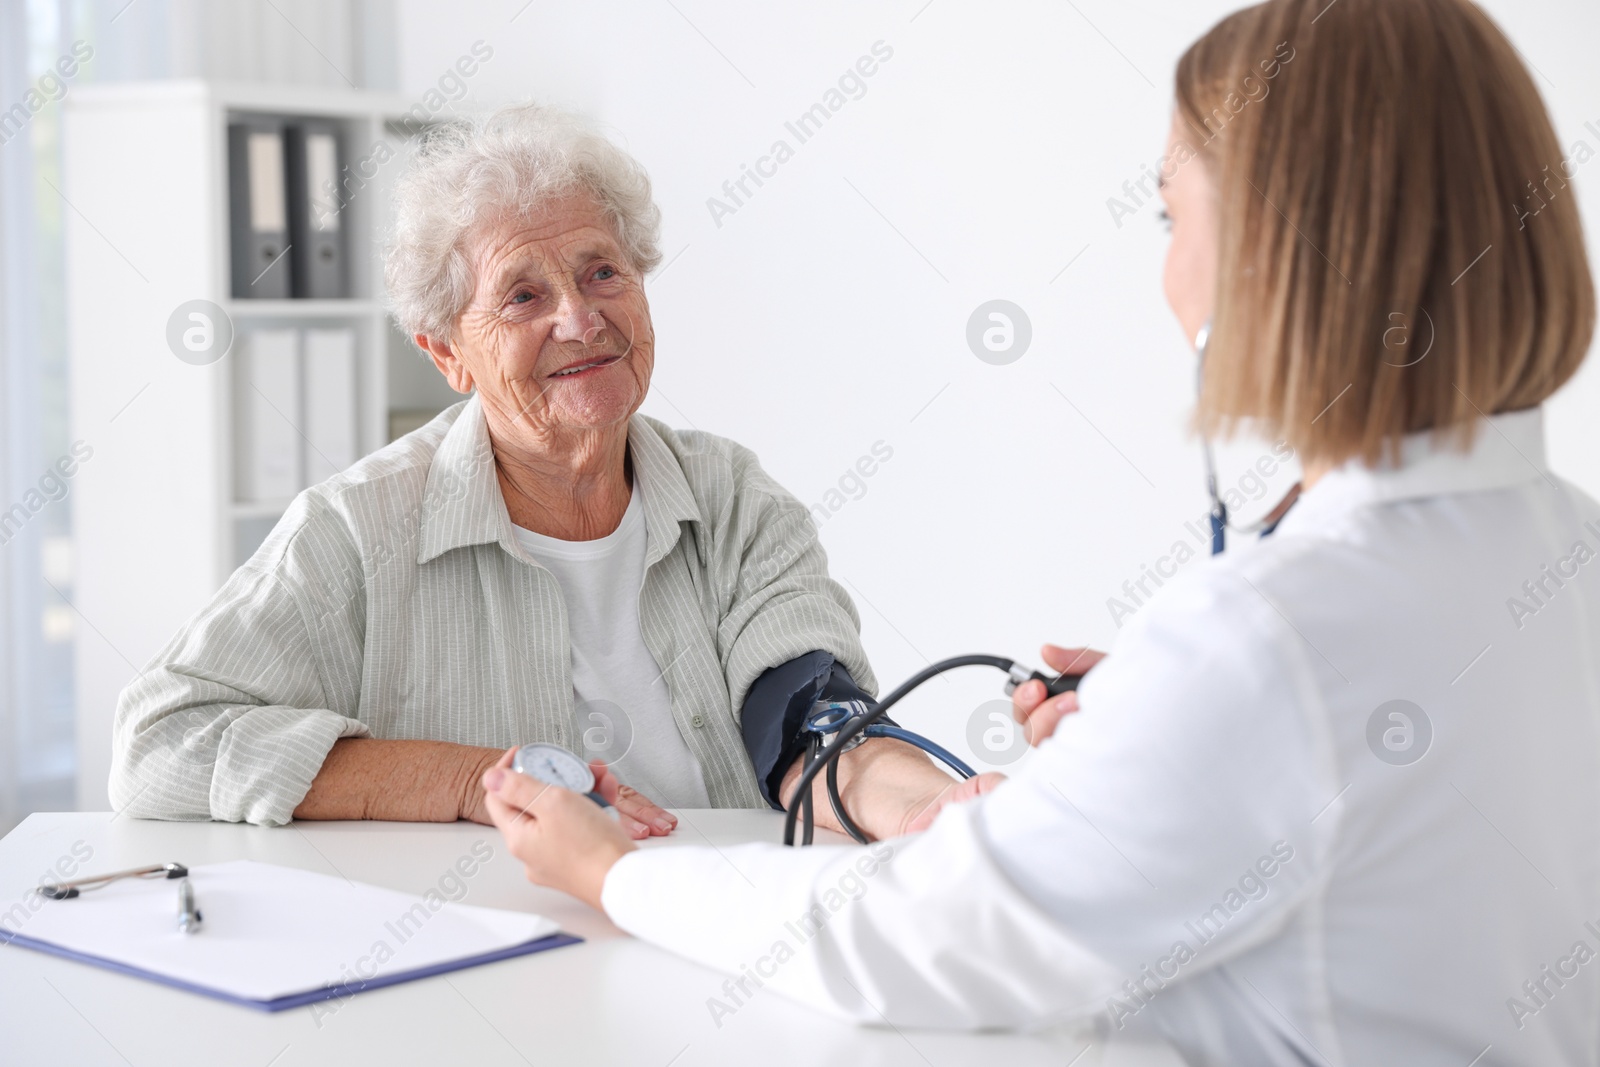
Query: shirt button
[{"x": 698, "y": 722}]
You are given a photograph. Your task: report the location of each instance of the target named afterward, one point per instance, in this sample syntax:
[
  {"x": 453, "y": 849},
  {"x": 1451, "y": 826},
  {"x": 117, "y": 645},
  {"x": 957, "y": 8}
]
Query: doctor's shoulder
[
  {"x": 1207, "y": 586},
  {"x": 1242, "y": 614}
]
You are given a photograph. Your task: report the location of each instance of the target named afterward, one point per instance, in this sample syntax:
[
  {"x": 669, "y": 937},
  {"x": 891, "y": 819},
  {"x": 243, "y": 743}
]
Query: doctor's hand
[
  {"x": 565, "y": 840},
  {"x": 1040, "y": 716},
  {"x": 636, "y": 813}
]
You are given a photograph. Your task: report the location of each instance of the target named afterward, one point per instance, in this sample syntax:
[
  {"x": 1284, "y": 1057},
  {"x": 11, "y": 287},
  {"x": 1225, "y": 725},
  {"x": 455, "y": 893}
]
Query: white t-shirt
[{"x": 622, "y": 704}]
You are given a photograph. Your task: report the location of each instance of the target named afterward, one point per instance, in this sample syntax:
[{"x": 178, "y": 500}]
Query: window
[{"x": 36, "y": 631}]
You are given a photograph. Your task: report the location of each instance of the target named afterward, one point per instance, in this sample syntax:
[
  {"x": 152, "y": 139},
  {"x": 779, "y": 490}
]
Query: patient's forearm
[
  {"x": 400, "y": 781},
  {"x": 885, "y": 784}
]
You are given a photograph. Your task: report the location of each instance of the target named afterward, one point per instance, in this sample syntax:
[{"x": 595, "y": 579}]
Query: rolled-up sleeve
[{"x": 231, "y": 720}]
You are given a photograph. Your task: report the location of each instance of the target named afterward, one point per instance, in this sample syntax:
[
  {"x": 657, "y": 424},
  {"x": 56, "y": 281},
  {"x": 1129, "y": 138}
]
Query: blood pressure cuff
[{"x": 776, "y": 707}]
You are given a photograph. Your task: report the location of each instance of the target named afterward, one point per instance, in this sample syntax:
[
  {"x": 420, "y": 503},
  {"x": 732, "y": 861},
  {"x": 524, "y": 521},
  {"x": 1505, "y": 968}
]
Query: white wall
[{"x": 829, "y": 312}]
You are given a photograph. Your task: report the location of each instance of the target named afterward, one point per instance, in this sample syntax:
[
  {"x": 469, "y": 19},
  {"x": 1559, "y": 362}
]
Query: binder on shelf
[
  {"x": 258, "y": 211},
  {"x": 316, "y": 233},
  {"x": 267, "y": 388},
  {"x": 330, "y": 377}
]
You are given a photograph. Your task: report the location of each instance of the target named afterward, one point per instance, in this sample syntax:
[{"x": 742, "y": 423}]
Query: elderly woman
[{"x": 538, "y": 563}]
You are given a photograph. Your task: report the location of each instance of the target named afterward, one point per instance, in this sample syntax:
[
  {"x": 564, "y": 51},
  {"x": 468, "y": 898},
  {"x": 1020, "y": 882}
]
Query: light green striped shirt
[{"x": 394, "y": 601}]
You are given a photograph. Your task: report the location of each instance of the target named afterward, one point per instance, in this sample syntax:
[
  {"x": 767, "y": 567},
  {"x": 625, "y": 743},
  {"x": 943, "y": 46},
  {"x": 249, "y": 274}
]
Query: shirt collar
[
  {"x": 668, "y": 500},
  {"x": 1507, "y": 450},
  {"x": 462, "y": 503}
]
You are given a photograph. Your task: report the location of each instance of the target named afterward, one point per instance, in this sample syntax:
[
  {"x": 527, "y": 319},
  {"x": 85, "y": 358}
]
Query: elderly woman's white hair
[{"x": 510, "y": 162}]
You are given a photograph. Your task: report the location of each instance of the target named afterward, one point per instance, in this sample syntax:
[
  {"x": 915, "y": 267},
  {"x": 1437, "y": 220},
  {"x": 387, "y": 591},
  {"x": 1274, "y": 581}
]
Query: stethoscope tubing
[{"x": 1220, "y": 524}]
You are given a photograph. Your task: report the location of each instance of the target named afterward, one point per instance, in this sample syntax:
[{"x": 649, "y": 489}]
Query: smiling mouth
[{"x": 580, "y": 368}]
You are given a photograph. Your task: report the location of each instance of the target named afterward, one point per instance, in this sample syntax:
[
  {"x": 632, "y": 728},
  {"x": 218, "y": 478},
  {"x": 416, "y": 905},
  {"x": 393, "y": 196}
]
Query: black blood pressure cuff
[{"x": 776, "y": 707}]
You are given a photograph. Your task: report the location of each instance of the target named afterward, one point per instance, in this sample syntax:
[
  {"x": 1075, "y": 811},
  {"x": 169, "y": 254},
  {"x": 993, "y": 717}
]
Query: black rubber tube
[{"x": 838, "y": 805}]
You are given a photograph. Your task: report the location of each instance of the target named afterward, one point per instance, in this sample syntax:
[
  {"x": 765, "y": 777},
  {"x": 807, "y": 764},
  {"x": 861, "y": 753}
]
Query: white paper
[{"x": 271, "y": 931}]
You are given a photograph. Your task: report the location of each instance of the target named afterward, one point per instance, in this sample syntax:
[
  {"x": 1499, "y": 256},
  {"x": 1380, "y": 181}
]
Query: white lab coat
[{"x": 1233, "y": 845}]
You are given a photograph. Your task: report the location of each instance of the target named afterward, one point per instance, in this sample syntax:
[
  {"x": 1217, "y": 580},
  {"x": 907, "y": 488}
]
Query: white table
[{"x": 610, "y": 1000}]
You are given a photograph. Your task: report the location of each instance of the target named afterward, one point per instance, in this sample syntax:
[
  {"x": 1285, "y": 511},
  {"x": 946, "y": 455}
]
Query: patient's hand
[
  {"x": 1040, "y": 717},
  {"x": 921, "y": 811},
  {"x": 565, "y": 840},
  {"x": 637, "y": 813}
]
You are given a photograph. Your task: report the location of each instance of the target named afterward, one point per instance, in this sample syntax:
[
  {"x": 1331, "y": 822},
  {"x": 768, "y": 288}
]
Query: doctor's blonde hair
[{"x": 1400, "y": 248}]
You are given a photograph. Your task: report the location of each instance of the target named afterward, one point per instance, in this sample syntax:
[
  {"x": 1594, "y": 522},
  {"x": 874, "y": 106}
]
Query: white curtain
[
  {"x": 299, "y": 42},
  {"x": 19, "y": 428}
]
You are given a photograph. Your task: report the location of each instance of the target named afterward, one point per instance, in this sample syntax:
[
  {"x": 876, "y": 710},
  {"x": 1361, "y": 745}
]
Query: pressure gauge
[{"x": 556, "y": 766}]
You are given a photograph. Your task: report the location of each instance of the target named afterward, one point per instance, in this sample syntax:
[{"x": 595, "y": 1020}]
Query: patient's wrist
[
  {"x": 881, "y": 783},
  {"x": 396, "y": 780},
  {"x": 474, "y": 763},
  {"x": 889, "y": 786}
]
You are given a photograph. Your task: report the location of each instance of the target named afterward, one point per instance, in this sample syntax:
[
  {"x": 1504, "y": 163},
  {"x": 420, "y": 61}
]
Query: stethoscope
[{"x": 1219, "y": 510}]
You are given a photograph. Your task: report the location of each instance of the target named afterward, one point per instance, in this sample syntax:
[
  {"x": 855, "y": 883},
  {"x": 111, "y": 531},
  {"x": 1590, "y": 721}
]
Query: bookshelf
[{"x": 159, "y": 518}]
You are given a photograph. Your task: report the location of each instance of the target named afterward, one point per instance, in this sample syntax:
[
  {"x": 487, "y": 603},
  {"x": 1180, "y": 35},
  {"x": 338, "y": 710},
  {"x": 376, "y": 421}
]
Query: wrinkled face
[
  {"x": 557, "y": 336},
  {"x": 1190, "y": 280}
]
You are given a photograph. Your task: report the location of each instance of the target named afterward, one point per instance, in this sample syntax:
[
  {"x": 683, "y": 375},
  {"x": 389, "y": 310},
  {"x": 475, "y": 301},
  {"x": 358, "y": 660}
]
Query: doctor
[{"x": 1336, "y": 800}]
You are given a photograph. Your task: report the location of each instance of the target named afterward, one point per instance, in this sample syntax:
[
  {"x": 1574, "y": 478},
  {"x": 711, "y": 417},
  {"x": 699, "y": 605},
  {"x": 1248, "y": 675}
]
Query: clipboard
[{"x": 278, "y": 937}]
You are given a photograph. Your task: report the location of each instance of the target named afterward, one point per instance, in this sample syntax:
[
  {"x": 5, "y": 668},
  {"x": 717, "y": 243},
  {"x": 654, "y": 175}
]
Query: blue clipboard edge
[{"x": 296, "y": 1000}]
